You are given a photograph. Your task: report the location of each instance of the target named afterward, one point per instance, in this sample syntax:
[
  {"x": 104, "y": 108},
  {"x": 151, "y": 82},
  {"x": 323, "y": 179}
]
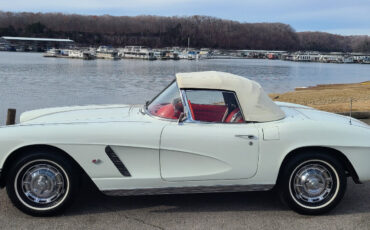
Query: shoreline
[{"x": 335, "y": 98}]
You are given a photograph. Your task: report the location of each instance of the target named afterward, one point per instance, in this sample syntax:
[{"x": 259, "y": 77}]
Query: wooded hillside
[{"x": 156, "y": 31}]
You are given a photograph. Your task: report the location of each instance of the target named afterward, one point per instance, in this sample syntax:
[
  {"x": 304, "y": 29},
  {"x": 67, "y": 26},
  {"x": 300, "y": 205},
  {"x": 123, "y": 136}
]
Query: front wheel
[
  {"x": 41, "y": 184},
  {"x": 312, "y": 183}
]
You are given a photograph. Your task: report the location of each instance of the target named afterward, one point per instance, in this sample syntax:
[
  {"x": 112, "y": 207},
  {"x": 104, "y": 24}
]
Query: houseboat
[
  {"x": 306, "y": 57},
  {"x": 52, "y": 53},
  {"x": 162, "y": 55},
  {"x": 106, "y": 52},
  {"x": 347, "y": 59},
  {"x": 80, "y": 54},
  {"x": 205, "y": 53},
  {"x": 336, "y": 59},
  {"x": 137, "y": 52}
]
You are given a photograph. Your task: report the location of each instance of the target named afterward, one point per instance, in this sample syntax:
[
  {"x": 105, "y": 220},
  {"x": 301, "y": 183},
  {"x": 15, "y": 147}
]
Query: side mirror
[{"x": 182, "y": 117}]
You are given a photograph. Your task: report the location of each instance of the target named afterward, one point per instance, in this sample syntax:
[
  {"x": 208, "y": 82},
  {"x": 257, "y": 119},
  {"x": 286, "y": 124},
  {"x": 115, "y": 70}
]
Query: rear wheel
[
  {"x": 312, "y": 183},
  {"x": 42, "y": 183}
]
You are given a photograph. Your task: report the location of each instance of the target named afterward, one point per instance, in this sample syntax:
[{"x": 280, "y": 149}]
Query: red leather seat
[
  {"x": 235, "y": 117},
  {"x": 168, "y": 111}
]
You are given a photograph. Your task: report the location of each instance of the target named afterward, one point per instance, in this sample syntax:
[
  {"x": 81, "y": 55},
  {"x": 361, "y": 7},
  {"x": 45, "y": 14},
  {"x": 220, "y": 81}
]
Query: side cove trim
[{"x": 117, "y": 162}]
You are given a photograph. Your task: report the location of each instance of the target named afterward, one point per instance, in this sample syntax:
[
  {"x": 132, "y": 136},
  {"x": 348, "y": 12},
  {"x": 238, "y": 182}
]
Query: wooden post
[{"x": 10, "y": 120}]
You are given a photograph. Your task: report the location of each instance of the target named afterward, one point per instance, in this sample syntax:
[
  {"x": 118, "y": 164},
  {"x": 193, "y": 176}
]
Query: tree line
[{"x": 158, "y": 31}]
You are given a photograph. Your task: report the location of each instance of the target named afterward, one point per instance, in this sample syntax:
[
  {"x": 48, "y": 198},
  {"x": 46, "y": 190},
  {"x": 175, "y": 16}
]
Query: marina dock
[
  {"x": 177, "y": 53},
  {"x": 66, "y": 48}
]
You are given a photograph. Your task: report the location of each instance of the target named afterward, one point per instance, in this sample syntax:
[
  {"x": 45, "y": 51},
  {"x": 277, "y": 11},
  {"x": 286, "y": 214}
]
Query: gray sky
[{"x": 340, "y": 16}]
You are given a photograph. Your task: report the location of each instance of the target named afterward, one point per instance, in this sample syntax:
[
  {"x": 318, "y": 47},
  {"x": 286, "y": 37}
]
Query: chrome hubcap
[
  {"x": 312, "y": 183},
  {"x": 43, "y": 184}
]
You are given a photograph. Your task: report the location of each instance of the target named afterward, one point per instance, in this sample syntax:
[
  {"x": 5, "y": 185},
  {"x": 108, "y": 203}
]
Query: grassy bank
[{"x": 332, "y": 98}]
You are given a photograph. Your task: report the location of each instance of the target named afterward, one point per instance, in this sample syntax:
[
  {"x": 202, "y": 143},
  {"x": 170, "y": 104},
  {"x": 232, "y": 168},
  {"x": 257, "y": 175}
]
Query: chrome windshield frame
[
  {"x": 145, "y": 107},
  {"x": 165, "y": 88},
  {"x": 185, "y": 104}
]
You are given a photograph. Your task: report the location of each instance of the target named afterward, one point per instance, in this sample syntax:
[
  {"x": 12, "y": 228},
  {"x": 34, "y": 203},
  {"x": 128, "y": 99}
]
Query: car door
[
  {"x": 204, "y": 147},
  {"x": 207, "y": 151}
]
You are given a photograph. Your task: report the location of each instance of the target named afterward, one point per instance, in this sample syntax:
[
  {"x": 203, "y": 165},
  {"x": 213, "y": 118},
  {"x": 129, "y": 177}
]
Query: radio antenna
[{"x": 350, "y": 113}]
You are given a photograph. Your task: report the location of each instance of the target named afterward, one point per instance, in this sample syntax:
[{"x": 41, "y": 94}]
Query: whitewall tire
[
  {"x": 312, "y": 183},
  {"x": 42, "y": 183}
]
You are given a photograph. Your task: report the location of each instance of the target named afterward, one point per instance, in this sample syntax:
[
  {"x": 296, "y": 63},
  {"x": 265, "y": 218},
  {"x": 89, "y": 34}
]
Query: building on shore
[
  {"x": 37, "y": 44},
  {"x": 5, "y": 45}
]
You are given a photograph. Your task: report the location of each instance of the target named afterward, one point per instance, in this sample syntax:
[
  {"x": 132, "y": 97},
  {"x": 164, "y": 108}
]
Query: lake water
[{"x": 30, "y": 81}]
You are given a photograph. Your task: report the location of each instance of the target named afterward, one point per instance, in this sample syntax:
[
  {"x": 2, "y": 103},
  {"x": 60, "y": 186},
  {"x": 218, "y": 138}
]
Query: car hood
[
  {"x": 73, "y": 114},
  {"x": 322, "y": 116}
]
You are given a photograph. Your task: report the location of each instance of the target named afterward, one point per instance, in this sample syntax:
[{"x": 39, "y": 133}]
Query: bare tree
[{"x": 156, "y": 31}]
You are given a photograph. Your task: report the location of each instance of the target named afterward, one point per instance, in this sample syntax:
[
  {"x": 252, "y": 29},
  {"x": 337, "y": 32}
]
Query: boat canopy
[{"x": 254, "y": 102}]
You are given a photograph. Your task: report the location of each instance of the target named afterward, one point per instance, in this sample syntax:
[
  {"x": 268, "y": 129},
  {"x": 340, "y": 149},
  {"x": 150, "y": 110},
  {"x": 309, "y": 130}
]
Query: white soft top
[{"x": 254, "y": 102}]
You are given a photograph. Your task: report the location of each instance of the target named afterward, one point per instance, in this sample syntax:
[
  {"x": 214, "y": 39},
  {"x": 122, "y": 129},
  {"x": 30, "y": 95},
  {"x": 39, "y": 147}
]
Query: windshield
[{"x": 168, "y": 104}]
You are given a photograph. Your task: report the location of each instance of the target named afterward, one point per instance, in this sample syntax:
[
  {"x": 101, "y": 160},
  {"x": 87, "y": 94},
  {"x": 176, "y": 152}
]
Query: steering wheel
[{"x": 177, "y": 105}]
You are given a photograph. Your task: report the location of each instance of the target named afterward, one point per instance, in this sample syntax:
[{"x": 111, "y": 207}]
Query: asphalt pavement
[{"x": 248, "y": 210}]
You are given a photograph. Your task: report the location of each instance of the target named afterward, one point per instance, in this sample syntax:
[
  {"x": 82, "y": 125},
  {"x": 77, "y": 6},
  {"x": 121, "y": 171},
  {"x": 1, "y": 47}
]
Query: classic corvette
[{"x": 205, "y": 132}]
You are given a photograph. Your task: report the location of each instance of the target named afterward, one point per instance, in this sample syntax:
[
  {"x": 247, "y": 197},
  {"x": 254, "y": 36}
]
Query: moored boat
[
  {"x": 137, "y": 52},
  {"x": 52, "y": 53},
  {"x": 107, "y": 52}
]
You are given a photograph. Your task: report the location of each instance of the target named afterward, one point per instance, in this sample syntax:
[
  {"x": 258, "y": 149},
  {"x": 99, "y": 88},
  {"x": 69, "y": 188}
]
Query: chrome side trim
[
  {"x": 185, "y": 190},
  {"x": 117, "y": 162}
]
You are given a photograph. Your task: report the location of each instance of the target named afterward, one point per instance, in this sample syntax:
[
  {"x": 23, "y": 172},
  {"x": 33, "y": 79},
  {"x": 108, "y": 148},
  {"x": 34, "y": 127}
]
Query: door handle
[{"x": 246, "y": 136}]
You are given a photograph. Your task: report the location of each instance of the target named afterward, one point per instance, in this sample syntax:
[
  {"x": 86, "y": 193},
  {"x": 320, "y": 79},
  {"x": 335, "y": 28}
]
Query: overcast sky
[{"x": 345, "y": 17}]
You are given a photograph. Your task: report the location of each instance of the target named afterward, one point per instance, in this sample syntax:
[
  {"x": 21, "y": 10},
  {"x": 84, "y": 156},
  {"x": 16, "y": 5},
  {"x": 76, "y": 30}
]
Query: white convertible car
[{"x": 205, "y": 132}]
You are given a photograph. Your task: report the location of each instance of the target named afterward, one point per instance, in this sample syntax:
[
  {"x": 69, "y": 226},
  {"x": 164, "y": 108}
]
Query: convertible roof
[{"x": 254, "y": 102}]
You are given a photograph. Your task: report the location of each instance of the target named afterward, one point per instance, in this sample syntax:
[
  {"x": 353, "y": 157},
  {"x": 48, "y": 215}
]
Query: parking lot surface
[{"x": 250, "y": 210}]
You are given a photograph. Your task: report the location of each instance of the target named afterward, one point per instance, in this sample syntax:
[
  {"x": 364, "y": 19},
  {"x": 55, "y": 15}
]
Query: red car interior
[
  {"x": 208, "y": 113},
  {"x": 238, "y": 117},
  {"x": 166, "y": 111},
  {"x": 200, "y": 112},
  {"x": 191, "y": 108}
]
